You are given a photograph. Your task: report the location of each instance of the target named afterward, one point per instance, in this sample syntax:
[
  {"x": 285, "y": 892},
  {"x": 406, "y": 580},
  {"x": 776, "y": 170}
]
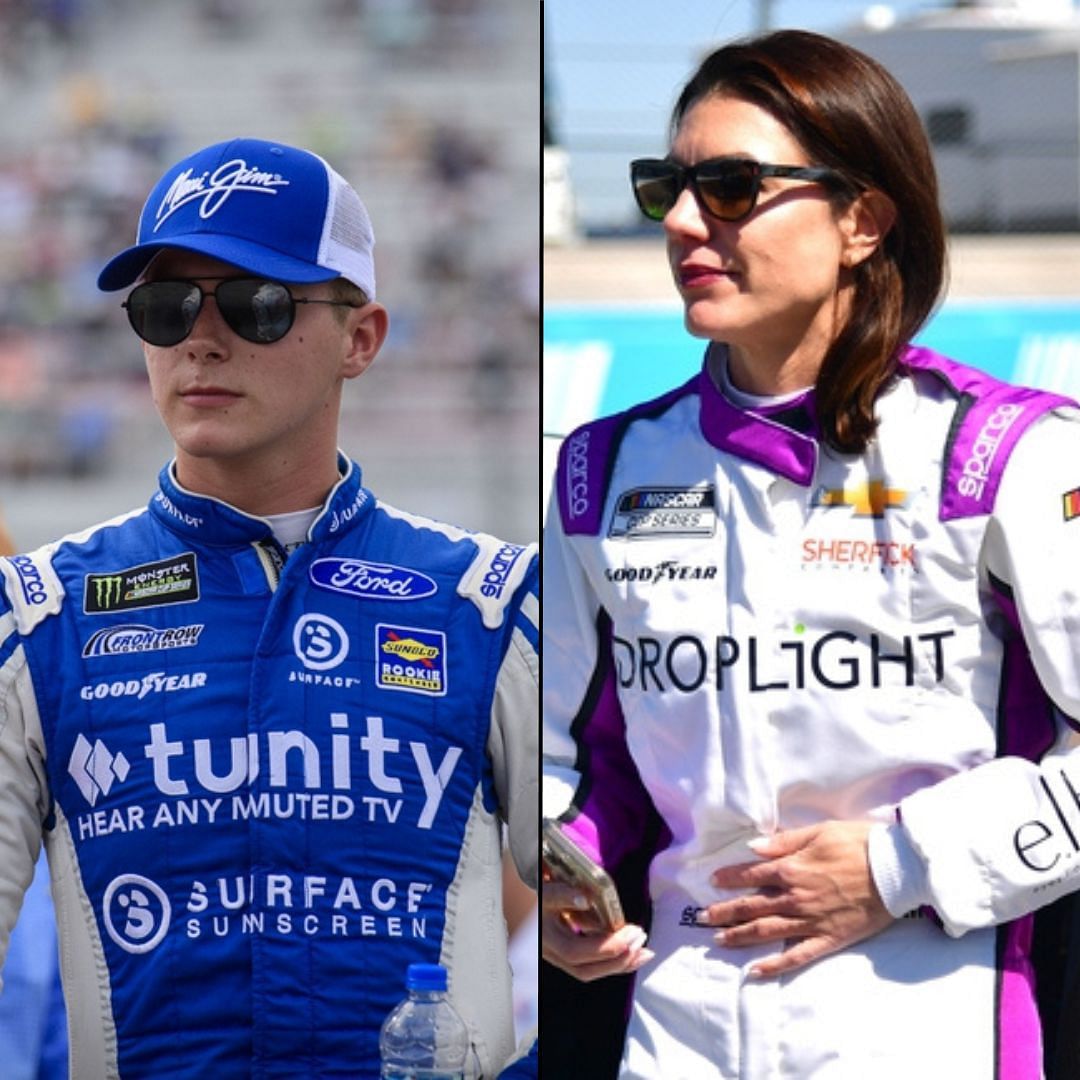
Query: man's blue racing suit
[{"x": 267, "y": 785}]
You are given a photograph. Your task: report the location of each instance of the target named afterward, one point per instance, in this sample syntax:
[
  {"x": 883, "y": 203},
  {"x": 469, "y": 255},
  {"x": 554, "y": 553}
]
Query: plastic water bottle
[{"x": 424, "y": 1037}]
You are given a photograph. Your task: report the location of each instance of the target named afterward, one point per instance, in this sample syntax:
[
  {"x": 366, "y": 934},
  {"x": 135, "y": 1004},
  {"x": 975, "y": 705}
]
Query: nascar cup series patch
[
  {"x": 411, "y": 659},
  {"x": 664, "y": 512}
]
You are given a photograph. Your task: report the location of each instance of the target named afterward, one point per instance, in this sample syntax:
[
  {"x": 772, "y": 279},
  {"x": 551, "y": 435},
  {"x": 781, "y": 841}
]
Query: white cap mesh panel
[{"x": 348, "y": 240}]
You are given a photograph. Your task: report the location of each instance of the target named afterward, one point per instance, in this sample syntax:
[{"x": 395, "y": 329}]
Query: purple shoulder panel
[
  {"x": 991, "y": 418},
  {"x": 587, "y": 456}
]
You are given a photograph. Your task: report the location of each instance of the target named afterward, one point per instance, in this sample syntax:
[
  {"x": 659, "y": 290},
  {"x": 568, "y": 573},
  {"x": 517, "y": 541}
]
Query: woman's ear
[{"x": 864, "y": 225}]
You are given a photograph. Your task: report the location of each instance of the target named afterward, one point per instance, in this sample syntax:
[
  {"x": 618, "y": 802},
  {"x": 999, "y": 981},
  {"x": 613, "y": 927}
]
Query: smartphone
[{"x": 566, "y": 862}]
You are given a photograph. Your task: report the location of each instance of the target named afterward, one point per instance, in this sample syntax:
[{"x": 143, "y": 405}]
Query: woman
[{"x": 801, "y": 612}]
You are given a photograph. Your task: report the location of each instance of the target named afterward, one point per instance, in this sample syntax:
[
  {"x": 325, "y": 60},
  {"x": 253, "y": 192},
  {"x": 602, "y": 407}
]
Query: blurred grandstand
[{"x": 430, "y": 107}]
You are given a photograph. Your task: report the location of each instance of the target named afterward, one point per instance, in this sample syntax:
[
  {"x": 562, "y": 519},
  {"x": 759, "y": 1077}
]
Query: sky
[{"x": 614, "y": 68}]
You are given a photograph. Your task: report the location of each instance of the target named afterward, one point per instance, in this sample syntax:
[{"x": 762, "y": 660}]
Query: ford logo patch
[{"x": 369, "y": 580}]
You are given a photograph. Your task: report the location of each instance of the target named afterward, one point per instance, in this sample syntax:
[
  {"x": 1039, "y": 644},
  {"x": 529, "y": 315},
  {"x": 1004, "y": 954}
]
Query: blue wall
[{"x": 601, "y": 358}]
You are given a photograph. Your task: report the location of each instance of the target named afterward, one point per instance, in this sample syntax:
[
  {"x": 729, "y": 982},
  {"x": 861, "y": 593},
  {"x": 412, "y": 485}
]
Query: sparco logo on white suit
[
  {"x": 980, "y": 461},
  {"x": 577, "y": 474}
]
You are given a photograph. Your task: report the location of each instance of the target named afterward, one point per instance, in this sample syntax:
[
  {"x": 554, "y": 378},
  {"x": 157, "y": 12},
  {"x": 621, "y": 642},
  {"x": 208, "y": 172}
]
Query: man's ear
[
  {"x": 367, "y": 328},
  {"x": 864, "y": 225}
]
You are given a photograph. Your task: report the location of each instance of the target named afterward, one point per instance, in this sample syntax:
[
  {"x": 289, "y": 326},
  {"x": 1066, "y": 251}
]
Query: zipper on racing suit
[{"x": 273, "y": 561}]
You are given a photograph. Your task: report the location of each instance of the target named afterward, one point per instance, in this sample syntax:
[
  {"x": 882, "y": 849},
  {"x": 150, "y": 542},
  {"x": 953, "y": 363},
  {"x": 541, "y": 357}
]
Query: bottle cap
[{"x": 425, "y": 977}]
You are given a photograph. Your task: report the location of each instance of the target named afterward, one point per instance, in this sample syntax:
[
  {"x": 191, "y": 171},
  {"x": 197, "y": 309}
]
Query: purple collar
[{"x": 783, "y": 438}]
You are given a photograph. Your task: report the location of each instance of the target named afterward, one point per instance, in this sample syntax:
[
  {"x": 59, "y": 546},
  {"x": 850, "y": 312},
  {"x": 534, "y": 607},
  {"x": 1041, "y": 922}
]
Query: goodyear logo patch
[
  {"x": 170, "y": 581},
  {"x": 410, "y": 658}
]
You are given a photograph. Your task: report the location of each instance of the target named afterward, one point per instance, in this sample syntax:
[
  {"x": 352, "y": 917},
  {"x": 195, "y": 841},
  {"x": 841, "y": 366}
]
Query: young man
[{"x": 268, "y": 726}]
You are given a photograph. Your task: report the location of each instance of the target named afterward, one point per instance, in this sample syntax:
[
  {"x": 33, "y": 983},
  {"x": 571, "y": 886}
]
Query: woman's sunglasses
[
  {"x": 164, "y": 312},
  {"x": 727, "y": 188}
]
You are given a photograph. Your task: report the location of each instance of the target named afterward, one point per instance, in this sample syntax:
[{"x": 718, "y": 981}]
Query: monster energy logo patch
[{"x": 171, "y": 581}]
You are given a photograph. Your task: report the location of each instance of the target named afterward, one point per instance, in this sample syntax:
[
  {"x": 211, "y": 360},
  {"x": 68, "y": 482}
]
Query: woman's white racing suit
[{"x": 747, "y": 632}]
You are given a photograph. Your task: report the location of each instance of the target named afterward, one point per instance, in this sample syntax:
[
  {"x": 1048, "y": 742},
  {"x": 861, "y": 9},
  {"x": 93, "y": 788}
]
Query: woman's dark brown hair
[{"x": 850, "y": 114}]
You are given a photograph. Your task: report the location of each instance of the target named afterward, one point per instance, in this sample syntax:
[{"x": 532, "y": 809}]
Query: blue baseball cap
[{"x": 267, "y": 208}]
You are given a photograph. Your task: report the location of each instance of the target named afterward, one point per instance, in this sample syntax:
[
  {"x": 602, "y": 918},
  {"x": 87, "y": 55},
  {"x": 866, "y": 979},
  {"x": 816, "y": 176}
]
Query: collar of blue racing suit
[
  {"x": 208, "y": 520},
  {"x": 782, "y": 438}
]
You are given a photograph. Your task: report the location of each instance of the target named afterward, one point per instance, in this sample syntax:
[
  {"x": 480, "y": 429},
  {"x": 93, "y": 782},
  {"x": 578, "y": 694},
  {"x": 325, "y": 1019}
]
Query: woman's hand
[
  {"x": 572, "y": 938},
  {"x": 812, "y": 887}
]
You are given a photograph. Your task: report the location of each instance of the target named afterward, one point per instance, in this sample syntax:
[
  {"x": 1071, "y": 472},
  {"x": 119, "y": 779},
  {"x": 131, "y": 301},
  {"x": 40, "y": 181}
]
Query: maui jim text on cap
[{"x": 267, "y": 208}]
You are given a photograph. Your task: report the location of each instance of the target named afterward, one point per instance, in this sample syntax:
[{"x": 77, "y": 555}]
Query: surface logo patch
[
  {"x": 1071, "y": 504},
  {"x": 320, "y": 642},
  {"x": 656, "y": 513},
  {"x": 411, "y": 659},
  {"x": 170, "y": 581},
  {"x": 137, "y": 913}
]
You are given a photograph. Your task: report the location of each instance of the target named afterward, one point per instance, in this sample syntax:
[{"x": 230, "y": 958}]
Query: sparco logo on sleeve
[
  {"x": 980, "y": 461},
  {"x": 498, "y": 571},
  {"x": 170, "y": 581},
  {"x": 577, "y": 474},
  {"x": 645, "y": 513},
  {"x": 33, "y": 588}
]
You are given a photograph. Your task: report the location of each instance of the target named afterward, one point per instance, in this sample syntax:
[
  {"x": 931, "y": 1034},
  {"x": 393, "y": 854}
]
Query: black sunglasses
[
  {"x": 727, "y": 188},
  {"x": 164, "y": 312}
]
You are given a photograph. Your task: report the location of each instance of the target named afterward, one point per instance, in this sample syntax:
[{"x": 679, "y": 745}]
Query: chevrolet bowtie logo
[{"x": 871, "y": 499}]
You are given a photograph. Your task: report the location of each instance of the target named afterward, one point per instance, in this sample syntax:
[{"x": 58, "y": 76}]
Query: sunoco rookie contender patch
[{"x": 411, "y": 659}]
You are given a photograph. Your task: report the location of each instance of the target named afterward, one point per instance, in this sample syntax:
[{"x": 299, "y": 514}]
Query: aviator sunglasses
[
  {"x": 260, "y": 311},
  {"x": 727, "y": 188}
]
